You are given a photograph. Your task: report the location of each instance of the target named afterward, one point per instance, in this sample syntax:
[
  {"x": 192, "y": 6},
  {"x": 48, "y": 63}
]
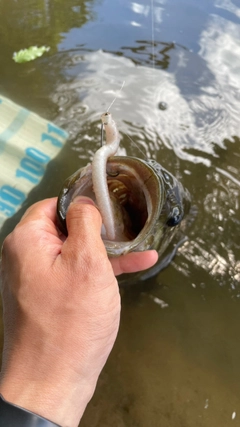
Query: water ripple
[{"x": 190, "y": 125}]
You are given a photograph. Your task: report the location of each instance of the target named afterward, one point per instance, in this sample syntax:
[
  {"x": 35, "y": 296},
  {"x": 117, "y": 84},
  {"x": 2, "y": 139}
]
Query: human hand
[{"x": 61, "y": 310}]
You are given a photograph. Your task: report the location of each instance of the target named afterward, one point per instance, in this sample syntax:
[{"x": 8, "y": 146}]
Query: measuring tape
[{"x": 27, "y": 144}]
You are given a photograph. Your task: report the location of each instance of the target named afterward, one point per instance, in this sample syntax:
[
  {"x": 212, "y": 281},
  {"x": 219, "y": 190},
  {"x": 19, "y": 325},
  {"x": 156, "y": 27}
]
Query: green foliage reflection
[{"x": 41, "y": 22}]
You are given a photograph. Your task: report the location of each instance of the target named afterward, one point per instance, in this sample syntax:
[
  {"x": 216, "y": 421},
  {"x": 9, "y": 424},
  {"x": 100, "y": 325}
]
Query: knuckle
[
  {"x": 83, "y": 212},
  {"x": 8, "y": 243},
  {"x": 15, "y": 241}
]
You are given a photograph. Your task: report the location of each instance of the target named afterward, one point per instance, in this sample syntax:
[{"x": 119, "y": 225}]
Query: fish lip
[{"x": 152, "y": 187}]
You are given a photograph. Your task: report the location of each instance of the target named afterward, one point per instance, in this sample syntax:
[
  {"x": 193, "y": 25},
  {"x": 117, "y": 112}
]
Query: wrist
[
  {"x": 62, "y": 401},
  {"x": 13, "y": 415}
]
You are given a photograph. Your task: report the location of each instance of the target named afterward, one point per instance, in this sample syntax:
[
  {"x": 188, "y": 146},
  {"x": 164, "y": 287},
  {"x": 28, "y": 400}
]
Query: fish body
[{"x": 141, "y": 203}]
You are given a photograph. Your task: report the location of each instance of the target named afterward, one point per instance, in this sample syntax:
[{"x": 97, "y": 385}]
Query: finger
[
  {"x": 84, "y": 229},
  {"x": 133, "y": 262},
  {"x": 83, "y": 218},
  {"x": 42, "y": 213},
  {"x": 43, "y": 209},
  {"x": 38, "y": 227},
  {"x": 42, "y": 217}
]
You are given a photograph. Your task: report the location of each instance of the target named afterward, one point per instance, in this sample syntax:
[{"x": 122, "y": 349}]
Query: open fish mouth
[
  {"x": 146, "y": 202},
  {"x": 135, "y": 194}
]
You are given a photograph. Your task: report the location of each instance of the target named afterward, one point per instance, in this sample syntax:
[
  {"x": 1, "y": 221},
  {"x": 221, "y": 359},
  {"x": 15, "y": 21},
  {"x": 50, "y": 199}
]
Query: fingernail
[{"x": 84, "y": 200}]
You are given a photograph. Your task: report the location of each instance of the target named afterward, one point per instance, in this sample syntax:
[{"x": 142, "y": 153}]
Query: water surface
[{"x": 176, "y": 359}]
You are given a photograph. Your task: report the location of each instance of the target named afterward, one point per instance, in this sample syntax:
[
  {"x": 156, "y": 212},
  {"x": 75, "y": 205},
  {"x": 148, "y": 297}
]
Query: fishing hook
[{"x": 101, "y": 134}]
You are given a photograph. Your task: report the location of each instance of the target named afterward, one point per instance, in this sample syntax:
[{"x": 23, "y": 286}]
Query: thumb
[{"x": 84, "y": 225}]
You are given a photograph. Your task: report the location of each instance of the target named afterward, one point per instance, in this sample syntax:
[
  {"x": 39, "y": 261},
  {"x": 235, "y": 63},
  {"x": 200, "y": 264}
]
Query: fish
[{"x": 141, "y": 203}]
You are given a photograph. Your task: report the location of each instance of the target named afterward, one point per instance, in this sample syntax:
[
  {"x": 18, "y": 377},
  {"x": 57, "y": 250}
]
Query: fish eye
[
  {"x": 175, "y": 217},
  {"x": 166, "y": 176}
]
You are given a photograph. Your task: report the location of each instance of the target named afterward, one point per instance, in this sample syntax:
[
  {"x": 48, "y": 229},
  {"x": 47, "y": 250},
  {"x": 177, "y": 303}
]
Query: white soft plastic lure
[{"x": 99, "y": 174}]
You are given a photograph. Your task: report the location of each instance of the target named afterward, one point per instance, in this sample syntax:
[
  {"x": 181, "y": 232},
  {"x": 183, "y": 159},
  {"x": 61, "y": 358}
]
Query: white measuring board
[{"x": 27, "y": 144}]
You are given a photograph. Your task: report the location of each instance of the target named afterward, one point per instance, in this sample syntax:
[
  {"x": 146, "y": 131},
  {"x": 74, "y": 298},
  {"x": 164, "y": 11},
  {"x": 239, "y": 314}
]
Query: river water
[{"x": 176, "y": 358}]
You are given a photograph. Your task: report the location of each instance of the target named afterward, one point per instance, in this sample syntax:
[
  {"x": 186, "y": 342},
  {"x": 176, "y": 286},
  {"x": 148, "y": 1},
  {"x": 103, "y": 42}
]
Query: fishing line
[
  {"x": 153, "y": 34},
  {"x": 123, "y": 83},
  {"x": 136, "y": 145},
  {"x": 101, "y": 134},
  {"x": 153, "y": 67}
]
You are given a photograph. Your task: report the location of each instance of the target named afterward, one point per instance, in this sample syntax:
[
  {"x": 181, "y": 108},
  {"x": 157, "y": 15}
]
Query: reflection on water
[
  {"x": 176, "y": 359},
  {"x": 229, "y": 6},
  {"x": 188, "y": 123}
]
